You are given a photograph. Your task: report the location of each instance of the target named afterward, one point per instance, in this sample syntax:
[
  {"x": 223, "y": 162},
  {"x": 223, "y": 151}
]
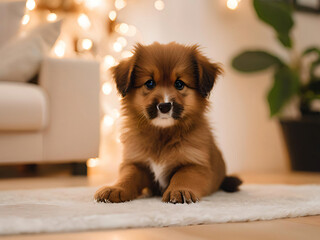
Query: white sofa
[{"x": 55, "y": 121}]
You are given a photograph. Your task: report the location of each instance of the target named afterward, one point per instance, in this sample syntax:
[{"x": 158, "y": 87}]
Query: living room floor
[{"x": 282, "y": 229}]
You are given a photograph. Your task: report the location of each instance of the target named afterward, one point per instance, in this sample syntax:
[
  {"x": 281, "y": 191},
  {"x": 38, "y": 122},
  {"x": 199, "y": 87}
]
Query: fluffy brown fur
[{"x": 173, "y": 154}]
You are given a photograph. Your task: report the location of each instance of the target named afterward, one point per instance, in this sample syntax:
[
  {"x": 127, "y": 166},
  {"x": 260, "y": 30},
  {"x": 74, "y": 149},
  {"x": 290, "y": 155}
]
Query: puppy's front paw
[
  {"x": 179, "y": 196},
  {"x": 113, "y": 195}
]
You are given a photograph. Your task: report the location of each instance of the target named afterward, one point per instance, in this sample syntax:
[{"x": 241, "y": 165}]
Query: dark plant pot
[{"x": 303, "y": 143}]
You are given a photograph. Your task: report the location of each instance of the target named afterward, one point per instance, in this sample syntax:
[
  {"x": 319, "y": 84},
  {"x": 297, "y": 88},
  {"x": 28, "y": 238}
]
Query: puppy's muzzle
[{"x": 164, "y": 107}]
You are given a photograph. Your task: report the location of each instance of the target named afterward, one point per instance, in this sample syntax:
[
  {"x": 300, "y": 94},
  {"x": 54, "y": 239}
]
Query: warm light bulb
[
  {"x": 233, "y": 4},
  {"x": 108, "y": 121},
  {"x": 159, "y": 5},
  {"x": 106, "y": 88},
  {"x": 92, "y": 4},
  {"x": 31, "y": 4},
  {"x": 108, "y": 62},
  {"x": 122, "y": 41},
  {"x": 86, "y": 43},
  {"x": 60, "y": 48},
  {"x": 84, "y": 21},
  {"x": 117, "y": 47},
  {"x": 25, "y": 19},
  {"x": 123, "y": 28},
  {"x": 52, "y": 17},
  {"x": 119, "y": 4},
  {"x": 126, "y": 54},
  {"x": 92, "y": 162},
  {"x": 112, "y": 15}
]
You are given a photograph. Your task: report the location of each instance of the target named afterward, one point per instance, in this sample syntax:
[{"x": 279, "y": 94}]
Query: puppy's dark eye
[
  {"x": 150, "y": 84},
  {"x": 179, "y": 85}
]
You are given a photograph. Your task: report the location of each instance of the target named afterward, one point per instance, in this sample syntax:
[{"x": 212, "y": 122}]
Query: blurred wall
[{"x": 249, "y": 139}]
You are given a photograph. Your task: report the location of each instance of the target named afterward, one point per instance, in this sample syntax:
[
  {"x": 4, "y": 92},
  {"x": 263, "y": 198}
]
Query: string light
[
  {"x": 108, "y": 121},
  {"x": 92, "y": 4},
  {"x": 108, "y": 62},
  {"x": 25, "y": 19},
  {"x": 112, "y": 15},
  {"x": 159, "y": 5},
  {"x": 84, "y": 21},
  {"x": 119, "y": 4},
  {"x": 233, "y": 4},
  {"x": 123, "y": 28},
  {"x": 122, "y": 41},
  {"x": 106, "y": 88},
  {"x": 31, "y": 5},
  {"x": 60, "y": 48},
  {"x": 93, "y": 162},
  {"x": 51, "y": 17},
  {"x": 117, "y": 47},
  {"x": 86, "y": 44}
]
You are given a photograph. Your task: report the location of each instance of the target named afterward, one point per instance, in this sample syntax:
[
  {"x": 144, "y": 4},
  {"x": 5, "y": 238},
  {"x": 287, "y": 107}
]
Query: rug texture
[{"x": 73, "y": 209}]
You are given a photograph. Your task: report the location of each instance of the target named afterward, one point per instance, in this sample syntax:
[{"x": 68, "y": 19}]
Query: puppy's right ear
[{"x": 123, "y": 75}]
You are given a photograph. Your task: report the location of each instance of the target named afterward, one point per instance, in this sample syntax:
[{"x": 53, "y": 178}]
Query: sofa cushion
[
  {"x": 21, "y": 56},
  {"x": 11, "y": 13},
  {"x": 23, "y": 107}
]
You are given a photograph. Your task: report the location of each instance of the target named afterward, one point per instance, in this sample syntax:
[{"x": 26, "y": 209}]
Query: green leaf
[
  {"x": 314, "y": 65},
  {"x": 285, "y": 40},
  {"x": 286, "y": 84},
  {"x": 311, "y": 50},
  {"x": 252, "y": 61},
  {"x": 278, "y": 14}
]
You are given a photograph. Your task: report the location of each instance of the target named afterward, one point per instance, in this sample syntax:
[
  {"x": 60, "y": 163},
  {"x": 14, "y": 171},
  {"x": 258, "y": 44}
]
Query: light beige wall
[{"x": 249, "y": 139}]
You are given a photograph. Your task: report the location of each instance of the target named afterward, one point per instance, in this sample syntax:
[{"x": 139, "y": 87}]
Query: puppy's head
[{"x": 164, "y": 85}]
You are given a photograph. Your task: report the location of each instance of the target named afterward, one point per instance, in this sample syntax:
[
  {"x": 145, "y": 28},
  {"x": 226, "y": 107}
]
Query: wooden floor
[{"x": 306, "y": 228}]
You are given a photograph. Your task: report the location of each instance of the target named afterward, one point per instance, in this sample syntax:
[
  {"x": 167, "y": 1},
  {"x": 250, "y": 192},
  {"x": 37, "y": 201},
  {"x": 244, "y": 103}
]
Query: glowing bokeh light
[
  {"x": 108, "y": 61},
  {"x": 31, "y": 5},
  {"x": 117, "y": 47},
  {"x": 106, "y": 88},
  {"x": 159, "y": 5},
  {"x": 51, "y": 17},
  {"x": 60, "y": 48},
  {"x": 25, "y": 19},
  {"x": 108, "y": 121},
  {"x": 112, "y": 15},
  {"x": 83, "y": 21},
  {"x": 232, "y": 4},
  {"x": 119, "y": 4},
  {"x": 86, "y": 44},
  {"x": 92, "y": 162}
]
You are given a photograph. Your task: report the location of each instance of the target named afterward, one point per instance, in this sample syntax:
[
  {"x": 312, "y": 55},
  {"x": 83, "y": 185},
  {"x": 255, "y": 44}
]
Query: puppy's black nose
[{"x": 164, "y": 107}]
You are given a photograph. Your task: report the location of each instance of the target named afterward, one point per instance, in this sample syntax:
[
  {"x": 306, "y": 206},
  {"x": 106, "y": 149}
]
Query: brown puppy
[{"x": 168, "y": 144}]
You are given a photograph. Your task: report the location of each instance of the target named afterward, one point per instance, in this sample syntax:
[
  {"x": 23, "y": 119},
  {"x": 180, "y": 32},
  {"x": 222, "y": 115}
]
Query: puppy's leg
[
  {"x": 190, "y": 183},
  {"x": 133, "y": 179}
]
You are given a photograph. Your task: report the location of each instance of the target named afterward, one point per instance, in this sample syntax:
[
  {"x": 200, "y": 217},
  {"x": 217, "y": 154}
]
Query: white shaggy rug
[{"x": 73, "y": 209}]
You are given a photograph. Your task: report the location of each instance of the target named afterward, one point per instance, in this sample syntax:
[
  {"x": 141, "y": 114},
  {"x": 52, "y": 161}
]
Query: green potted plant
[{"x": 302, "y": 134}]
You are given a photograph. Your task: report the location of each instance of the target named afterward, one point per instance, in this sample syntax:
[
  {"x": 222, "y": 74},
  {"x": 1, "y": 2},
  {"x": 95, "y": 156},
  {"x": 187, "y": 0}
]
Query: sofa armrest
[{"x": 73, "y": 131}]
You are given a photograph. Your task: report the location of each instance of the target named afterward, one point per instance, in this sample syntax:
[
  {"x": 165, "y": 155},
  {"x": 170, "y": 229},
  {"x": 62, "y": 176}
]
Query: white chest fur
[{"x": 159, "y": 173}]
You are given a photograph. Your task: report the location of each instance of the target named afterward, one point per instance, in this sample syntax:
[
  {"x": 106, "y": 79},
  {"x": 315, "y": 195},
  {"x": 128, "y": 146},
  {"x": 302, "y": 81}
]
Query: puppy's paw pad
[
  {"x": 113, "y": 195},
  {"x": 179, "y": 196}
]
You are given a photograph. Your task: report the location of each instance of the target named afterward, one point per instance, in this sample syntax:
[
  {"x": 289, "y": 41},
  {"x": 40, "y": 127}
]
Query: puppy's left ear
[
  {"x": 123, "y": 75},
  {"x": 205, "y": 72}
]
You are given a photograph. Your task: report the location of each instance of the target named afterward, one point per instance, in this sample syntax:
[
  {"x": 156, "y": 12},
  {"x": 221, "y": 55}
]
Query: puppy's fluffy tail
[{"x": 231, "y": 184}]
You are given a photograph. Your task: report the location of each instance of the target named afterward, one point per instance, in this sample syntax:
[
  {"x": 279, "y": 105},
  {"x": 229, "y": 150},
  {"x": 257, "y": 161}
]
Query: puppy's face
[{"x": 165, "y": 85}]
